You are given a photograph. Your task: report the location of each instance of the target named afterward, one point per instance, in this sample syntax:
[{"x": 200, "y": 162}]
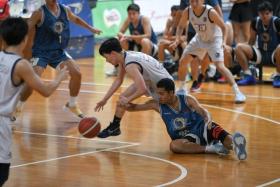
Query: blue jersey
[
  {"x": 140, "y": 30},
  {"x": 183, "y": 123},
  {"x": 53, "y": 32},
  {"x": 268, "y": 38}
]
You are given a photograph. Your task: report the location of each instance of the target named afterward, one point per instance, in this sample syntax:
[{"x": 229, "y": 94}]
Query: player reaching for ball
[
  {"x": 14, "y": 73},
  {"x": 189, "y": 125},
  {"x": 145, "y": 72}
]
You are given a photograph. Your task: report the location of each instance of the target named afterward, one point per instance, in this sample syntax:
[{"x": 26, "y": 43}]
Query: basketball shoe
[
  {"x": 239, "y": 146},
  {"x": 74, "y": 110},
  {"x": 111, "y": 130}
]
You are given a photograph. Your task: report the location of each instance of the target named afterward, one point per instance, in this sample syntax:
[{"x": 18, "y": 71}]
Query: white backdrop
[{"x": 157, "y": 10}]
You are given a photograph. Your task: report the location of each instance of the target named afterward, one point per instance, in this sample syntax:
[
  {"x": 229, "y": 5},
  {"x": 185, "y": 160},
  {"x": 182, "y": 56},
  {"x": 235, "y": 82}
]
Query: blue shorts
[{"x": 51, "y": 58}]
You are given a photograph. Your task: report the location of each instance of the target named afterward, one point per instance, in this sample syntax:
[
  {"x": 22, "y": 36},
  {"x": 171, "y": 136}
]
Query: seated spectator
[{"x": 266, "y": 30}]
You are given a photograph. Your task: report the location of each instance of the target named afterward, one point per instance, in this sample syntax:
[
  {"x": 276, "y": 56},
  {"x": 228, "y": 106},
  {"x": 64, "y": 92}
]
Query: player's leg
[
  {"x": 216, "y": 53},
  {"x": 148, "y": 47},
  {"x": 276, "y": 60},
  {"x": 162, "y": 45},
  {"x": 183, "y": 146},
  {"x": 244, "y": 53},
  {"x": 114, "y": 127},
  {"x": 74, "y": 86}
]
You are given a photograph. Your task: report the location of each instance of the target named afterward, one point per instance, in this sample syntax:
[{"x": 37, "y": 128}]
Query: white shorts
[
  {"x": 5, "y": 140},
  {"x": 200, "y": 48}
]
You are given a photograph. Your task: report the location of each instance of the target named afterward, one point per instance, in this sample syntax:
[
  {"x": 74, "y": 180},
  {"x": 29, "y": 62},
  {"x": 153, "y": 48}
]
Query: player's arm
[
  {"x": 23, "y": 71},
  {"x": 79, "y": 21},
  {"x": 180, "y": 28},
  {"x": 147, "y": 30},
  {"x": 253, "y": 32},
  {"x": 168, "y": 26},
  {"x": 218, "y": 20},
  {"x": 115, "y": 85},
  {"x": 123, "y": 28},
  {"x": 149, "y": 105},
  {"x": 194, "y": 104},
  {"x": 133, "y": 70}
]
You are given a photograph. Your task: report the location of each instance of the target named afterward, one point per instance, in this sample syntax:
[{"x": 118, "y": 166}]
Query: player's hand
[
  {"x": 99, "y": 106},
  {"x": 174, "y": 45},
  {"x": 62, "y": 74},
  {"x": 124, "y": 101},
  {"x": 96, "y": 31}
]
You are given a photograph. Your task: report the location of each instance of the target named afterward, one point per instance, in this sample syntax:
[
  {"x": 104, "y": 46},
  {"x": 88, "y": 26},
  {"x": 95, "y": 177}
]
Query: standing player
[
  {"x": 190, "y": 125},
  {"x": 209, "y": 39},
  {"x": 14, "y": 72},
  {"x": 145, "y": 72},
  {"x": 51, "y": 23}
]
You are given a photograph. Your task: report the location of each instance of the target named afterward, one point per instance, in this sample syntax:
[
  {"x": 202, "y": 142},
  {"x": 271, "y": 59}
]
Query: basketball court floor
[{"x": 48, "y": 151}]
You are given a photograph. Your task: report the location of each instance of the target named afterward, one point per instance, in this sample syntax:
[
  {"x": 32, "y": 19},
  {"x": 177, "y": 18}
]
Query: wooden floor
[{"x": 48, "y": 151}]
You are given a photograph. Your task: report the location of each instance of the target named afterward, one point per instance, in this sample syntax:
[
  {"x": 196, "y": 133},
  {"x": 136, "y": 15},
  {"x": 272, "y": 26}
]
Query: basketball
[{"x": 89, "y": 127}]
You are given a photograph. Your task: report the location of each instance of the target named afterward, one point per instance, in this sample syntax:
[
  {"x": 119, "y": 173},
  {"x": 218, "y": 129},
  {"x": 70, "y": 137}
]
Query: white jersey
[
  {"x": 203, "y": 26},
  {"x": 151, "y": 69},
  {"x": 9, "y": 93}
]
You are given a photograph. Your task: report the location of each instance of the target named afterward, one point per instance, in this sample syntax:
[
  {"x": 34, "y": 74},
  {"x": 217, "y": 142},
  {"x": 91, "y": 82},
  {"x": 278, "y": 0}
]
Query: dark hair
[
  {"x": 175, "y": 8},
  {"x": 167, "y": 84},
  {"x": 133, "y": 7},
  {"x": 112, "y": 44},
  {"x": 13, "y": 30},
  {"x": 264, "y": 6}
]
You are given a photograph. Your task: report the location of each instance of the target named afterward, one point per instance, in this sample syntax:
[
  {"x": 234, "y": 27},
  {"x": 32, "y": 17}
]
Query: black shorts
[
  {"x": 190, "y": 36},
  {"x": 241, "y": 12},
  {"x": 4, "y": 173},
  {"x": 216, "y": 133}
]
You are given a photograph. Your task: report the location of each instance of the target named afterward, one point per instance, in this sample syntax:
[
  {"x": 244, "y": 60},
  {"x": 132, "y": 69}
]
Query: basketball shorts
[
  {"x": 241, "y": 12},
  {"x": 260, "y": 56},
  {"x": 199, "y": 48},
  {"x": 5, "y": 140},
  {"x": 51, "y": 58}
]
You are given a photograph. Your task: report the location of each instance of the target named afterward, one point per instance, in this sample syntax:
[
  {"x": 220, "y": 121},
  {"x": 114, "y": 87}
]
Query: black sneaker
[
  {"x": 195, "y": 86},
  {"x": 200, "y": 79},
  {"x": 109, "y": 131}
]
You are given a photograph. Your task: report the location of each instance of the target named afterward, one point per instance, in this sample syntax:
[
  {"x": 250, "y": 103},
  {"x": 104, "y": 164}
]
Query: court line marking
[
  {"x": 243, "y": 113},
  {"x": 183, "y": 170},
  {"x": 269, "y": 183},
  {"x": 75, "y": 137},
  {"x": 71, "y": 156},
  {"x": 201, "y": 92},
  {"x": 212, "y": 106}
]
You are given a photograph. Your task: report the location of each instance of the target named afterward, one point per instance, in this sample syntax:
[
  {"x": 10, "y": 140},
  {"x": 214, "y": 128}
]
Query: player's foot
[
  {"x": 240, "y": 97},
  {"x": 181, "y": 91},
  {"x": 113, "y": 72},
  {"x": 74, "y": 109},
  {"x": 247, "y": 80},
  {"x": 111, "y": 130},
  {"x": 276, "y": 81},
  {"x": 220, "y": 149},
  {"x": 195, "y": 86},
  {"x": 239, "y": 146}
]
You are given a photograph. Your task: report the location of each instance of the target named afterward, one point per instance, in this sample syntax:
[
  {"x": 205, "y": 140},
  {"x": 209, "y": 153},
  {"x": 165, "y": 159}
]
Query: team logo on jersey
[
  {"x": 204, "y": 19},
  {"x": 58, "y": 27},
  {"x": 265, "y": 37},
  {"x": 217, "y": 55},
  {"x": 179, "y": 124}
]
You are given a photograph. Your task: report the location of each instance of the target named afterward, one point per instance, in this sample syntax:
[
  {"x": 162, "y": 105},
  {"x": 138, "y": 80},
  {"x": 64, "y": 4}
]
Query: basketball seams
[{"x": 92, "y": 127}]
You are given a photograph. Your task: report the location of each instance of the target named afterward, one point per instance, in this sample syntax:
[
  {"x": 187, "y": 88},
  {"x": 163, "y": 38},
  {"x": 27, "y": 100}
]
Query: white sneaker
[
  {"x": 112, "y": 73},
  {"x": 239, "y": 146},
  {"x": 240, "y": 97},
  {"x": 181, "y": 91},
  {"x": 220, "y": 149}
]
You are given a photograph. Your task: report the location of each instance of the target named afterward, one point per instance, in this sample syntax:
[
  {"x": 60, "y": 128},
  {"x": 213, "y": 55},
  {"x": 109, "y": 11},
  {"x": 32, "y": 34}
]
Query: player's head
[
  {"x": 51, "y": 2},
  {"x": 196, "y": 3},
  {"x": 265, "y": 11},
  {"x": 165, "y": 90},
  {"x": 111, "y": 50},
  {"x": 174, "y": 9},
  {"x": 14, "y": 31},
  {"x": 133, "y": 11}
]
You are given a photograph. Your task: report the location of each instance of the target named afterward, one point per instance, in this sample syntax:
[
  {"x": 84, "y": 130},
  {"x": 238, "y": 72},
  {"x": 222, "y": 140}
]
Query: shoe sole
[
  {"x": 110, "y": 135},
  {"x": 239, "y": 143},
  {"x": 196, "y": 90}
]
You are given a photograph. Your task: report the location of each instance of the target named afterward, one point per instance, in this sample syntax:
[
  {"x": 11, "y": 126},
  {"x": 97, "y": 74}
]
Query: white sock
[
  {"x": 247, "y": 72},
  {"x": 235, "y": 88},
  {"x": 210, "y": 149},
  {"x": 182, "y": 84},
  {"x": 72, "y": 101}
]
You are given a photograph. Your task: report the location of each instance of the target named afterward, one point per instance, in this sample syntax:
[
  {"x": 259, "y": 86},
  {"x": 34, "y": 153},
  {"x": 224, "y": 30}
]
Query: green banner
[{"x": 109, "y": 16}]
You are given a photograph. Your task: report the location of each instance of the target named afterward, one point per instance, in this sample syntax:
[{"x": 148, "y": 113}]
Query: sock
[
  {"x": 235, "y": 88},
  {"x": 116, "y": 121},
  {"x": 72, "y": 101},
  {"x": 182, "y": 84},
  {"x": 210, "y": 149},
  {"x": 247, "y": 72}
]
